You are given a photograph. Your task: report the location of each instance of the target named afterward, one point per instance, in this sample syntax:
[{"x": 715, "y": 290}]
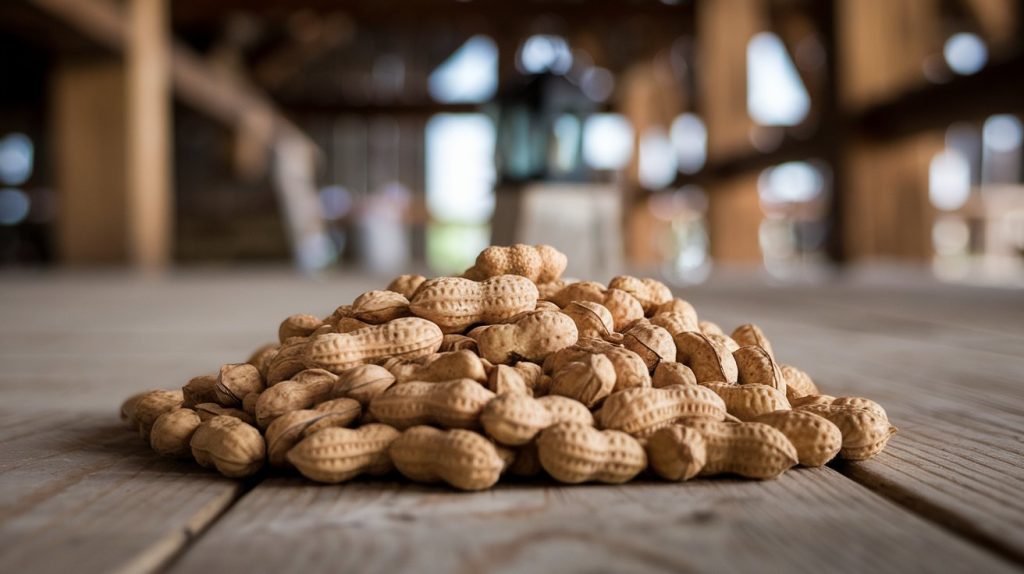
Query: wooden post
[{"x": 149, "y": 200}]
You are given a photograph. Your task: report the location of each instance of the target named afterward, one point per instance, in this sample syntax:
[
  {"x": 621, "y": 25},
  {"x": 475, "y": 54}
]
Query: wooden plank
[
  {"x": 84, "y": 494},
  {"x": 812, "y": 520}
]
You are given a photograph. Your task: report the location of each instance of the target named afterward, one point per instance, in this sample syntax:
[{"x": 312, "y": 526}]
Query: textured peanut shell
[
  {"x": 532, "y": 337},
  {"x": 630, "y": 369},
  {"x": 376, "y": 307},
  {"x": 336, "y": 455},
  {"x": 455, "y": 303},
  {"x": 287, "y": 361},
  {"x": 579, "y": 291},
  {"x": 592, "y": 319},
  {"x": 708, "y": 361},
  {"x": 817, "y": 440},
  {"x": 363, "y": 383},
  {"x": 261, "y": 357},
  {"x": 207, "y": 411},
  {"x": 454, "y": 342},
  {"x": 653, "y": 343},
  {"x": 300, "y": 325},
  {"x": 229, "y": 445},
  {"x": 798, "y": 383},
  {"x": 288, "y": 429},
  {"x": 710, "y": 328},
  {"x": 755, "y": 366},
  {"x": 150, "y": 406},
  {"x": 669, "y": 373},
  {"x": 676, "y": 452},
  {"x": 538, "y": 263},
  {"x": 675, "y": 322},
  {"x": 446, "y": 367},
  {"x": 865, "y": 433},
  {"x": 649, "y": 292},
  {"x": 750, "y": 334},
  {"x": 724, "y": 341},
  {"x": 515, "y": 420},
  {"x": 406, "y": 285},
  {"x": 299, "y": 393},
  {"x": 406, "y": 338},
  {"x": 751, "y": 450},
  {"x": 642, "y": 411},
  {"x": 589, "y": 380},
  {"x": 507, "y": 379},
  {"x": 461, "y": 458},
  {"x": 235, "y": 381},
  {"x": 128, "y": 412},
  {"x": 548, "y": 290},
  {"x": 625, "y": 309},
  {"x": 451, "y": 404},
  {"x": 746, "y": 402},
  {"x": 172, "y": 433},
  {"x": 201, "y": 389},
  {"x": 685, "y": 315},
  {"x": 574, "y": 453}
]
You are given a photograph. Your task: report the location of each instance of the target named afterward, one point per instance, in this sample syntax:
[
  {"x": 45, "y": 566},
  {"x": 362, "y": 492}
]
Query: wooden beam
[{"x": 149, "y": 200}]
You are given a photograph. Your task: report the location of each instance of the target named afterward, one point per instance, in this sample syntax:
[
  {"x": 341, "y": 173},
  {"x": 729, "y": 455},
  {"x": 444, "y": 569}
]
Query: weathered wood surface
[{"x": 79, "y": 492}]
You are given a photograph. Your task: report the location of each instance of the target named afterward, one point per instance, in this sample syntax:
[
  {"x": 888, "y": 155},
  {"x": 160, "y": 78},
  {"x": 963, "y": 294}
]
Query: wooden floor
[{"x": 80, "y": 493}]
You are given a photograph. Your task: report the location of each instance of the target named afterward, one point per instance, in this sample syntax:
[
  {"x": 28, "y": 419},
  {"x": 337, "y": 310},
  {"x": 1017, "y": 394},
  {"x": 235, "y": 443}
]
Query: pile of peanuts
[{"x": 510, "y": 371}]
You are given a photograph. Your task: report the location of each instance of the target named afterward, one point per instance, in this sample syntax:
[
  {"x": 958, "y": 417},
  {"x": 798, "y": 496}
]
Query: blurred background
[{"x": 797, "y": 137}]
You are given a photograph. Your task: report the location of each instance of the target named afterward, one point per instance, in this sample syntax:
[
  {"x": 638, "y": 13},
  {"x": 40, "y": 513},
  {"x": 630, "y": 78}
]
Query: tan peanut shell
[
  {"x": 446, "y": 367},
  {"x": 670, "y": 373},
  {"x": 526, "y": 463},
  {"x": 454, "y": 303},
  {"x": 683, "y": 312},
  {"x": 531, "y": 337},
  {"x": 675, "y": 322},
  {"x": 710, "y": 328},
  {"x": 755, "y": 366},
  {"x": 172, "y": 433},
  {"x": 751, "y": 450},
  {"x": 653, "y": 343},
  {"x": 201, "y": 389},
  {"x": 207, "y": 411},
  {"x": 642, "y": 411},
  {"x": 625, "y": 309},
  {"x": 128, "y": 413},
  {"x": 261, "y": 357},
  {"x": 707, "y": 360},
  {"x": 336, "y": 455},
  {"x": 300, "y": 325},
  {"x": 593, "y": 320},
  {"x": 150, "y": 406},
  {"x": 748, "y": 401},
  {"x": 798, "y": 383},
  {"x": 630, "y": 369},
  {"x": 507, "y": 379},
  {"x": 363, "y": 383},
  {"x": 676, "y": 452},
  {"x": 588, "y": 380},
  {"x": 538, "y": 263},
  {"x": 287, "y": 361},
  {"x": 547, "y": 290},
  {"x": 406, "y": 285},
  {"x": 288, "y": 429},
  {"x": 514, "y": 419},
  {"x": 461, "y": 458},
  {"x": 454, "y": 342},
  {"x": 233, "y": 447},
  {"x": 816, "y": 439},
  {"x": 235, "y": 381},
  {"x": 249, "y": 404},
  {"x": 376, "y": 307},
  {"x": 649, "y": 292},
  {"x": 452, "y": 404},
  {"x": 865, "y": 432},
  {"x": 306, "y": 389},
  {"x": 724, "y": 341},
  {"x": 861, "y": 403},
  {"x": 578, "y": 291},
  {"x": 751, "y": 334},
  {"x": 408, "y": 338},
  {"x": 574, "y": 453}
]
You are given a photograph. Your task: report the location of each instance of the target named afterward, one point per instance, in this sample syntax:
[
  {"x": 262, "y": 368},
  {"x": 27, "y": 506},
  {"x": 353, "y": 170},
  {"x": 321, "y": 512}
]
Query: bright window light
[
  {"x": 657, "y": 165},
  {"x": 16, "y": 157},
  {"x": 470, "y": 75},
  {"x": 14, "y": 206},
  {"x": 607, "y": 141},
  {"x": 460, "y": 167},
  {"x": 1002, "y": 133},
  {"x": 790, "y": 182},
  {"x": 965, "y": 53},
  {"x": 949, "y": 180},
  {"x": 567, "y": 142},
  {"x": 775, "y": 94},
  {"x": 690, "y": 139},
  {"x": 545, "y": 53},
  {"x": 597, "y": 83}
]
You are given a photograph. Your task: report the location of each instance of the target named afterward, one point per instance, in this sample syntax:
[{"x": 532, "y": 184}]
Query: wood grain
[{"x": 811, "y": 520}]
